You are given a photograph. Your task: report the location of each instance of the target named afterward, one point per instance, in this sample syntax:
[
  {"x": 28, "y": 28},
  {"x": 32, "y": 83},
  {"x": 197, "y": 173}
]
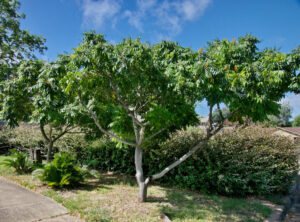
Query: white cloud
[
  {"x": 169, "y": 15},
  {"x": 165, "y": 17},
  {"x": 192, "y": 9},
  {"x": 135, "y": 18},
  {"x": 98, "y": 13}
]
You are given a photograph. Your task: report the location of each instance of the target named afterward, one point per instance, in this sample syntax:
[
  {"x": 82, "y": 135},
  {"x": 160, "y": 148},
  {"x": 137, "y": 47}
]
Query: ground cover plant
[
  {"x": 62, "y": 171},
  {"x": 19, "y": 161}
]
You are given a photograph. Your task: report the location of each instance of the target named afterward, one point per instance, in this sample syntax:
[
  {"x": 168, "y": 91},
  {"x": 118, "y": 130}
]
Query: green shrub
[
  {"x": 243, "y": 162},
  {"x": 19, "y": 161},
  {"x": 24, "y": 136},
  {"x": 62, "y": 171},
  {"x": 105, "y": 155}
]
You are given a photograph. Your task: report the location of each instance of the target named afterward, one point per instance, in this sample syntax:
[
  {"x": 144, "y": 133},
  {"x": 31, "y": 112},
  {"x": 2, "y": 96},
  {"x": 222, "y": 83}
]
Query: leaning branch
[
  {"x": 62, "y": 134},
  {"x": 210, "y": 133},
  {"x": 153, "y": 135},
  {"x": 93, "y": 116}
]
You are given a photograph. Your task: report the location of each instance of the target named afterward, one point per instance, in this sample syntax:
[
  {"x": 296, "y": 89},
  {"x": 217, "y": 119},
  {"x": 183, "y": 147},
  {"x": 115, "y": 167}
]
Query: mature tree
[
  {"x": 34, "y": 95},
  {"x": 15, "y": 43},
  {"x": 296, "y": 121},
  {"x": 153, "y": 88},
  {"x": 130, "y": 80}
]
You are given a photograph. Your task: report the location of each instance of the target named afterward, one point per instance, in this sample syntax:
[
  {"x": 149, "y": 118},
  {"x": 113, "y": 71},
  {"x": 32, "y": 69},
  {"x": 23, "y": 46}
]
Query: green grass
[
  {"x": 189, "y": 207},
  {"x": 113, "y": 197}
]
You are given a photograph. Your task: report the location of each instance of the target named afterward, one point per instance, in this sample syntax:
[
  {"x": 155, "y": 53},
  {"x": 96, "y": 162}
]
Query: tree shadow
[
  {"x": 103, "y": 182},
  {"x": 181, "y": 205}
]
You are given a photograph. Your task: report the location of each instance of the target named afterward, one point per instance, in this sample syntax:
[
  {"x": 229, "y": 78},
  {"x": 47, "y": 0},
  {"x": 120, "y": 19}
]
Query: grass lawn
[{"x": 113, "y": 197}]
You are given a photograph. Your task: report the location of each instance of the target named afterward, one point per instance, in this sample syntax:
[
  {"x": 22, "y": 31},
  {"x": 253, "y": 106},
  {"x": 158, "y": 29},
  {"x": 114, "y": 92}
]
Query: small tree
[
  {"x": 296, "y": 121},
  {"x": 152, "y": 89},
  {"x": 34, "y": 95}
]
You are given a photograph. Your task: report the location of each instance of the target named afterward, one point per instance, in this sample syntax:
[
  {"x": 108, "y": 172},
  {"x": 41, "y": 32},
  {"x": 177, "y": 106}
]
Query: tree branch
[
  {"x": 155, "y": 134},
  {"x": 63, "y": 133},
  {"x": 43, "y": 133},
  {"x": 180, "y": 160},
  {"x": 93, "y": 116},
  {"x": 131, "y": 113},
  {"x": 220, "y": 112},
  {"x": 210, "y": 133}
]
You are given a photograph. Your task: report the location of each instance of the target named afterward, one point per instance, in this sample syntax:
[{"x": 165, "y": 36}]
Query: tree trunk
[
  {"x": 49, "y": 151},
  {"x": 138, "y": 160},
  {"x": 142, "y": 192}
]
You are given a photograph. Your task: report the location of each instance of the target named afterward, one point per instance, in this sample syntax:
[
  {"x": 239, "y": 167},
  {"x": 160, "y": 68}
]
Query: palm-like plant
[{"x": 19, "y": 161}]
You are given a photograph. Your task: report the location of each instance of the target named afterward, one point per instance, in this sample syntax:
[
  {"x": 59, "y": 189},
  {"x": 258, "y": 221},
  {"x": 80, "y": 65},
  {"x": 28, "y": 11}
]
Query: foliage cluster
[
  {"x": 296, "y": 121},
  {"x": 62, "y": 171}
]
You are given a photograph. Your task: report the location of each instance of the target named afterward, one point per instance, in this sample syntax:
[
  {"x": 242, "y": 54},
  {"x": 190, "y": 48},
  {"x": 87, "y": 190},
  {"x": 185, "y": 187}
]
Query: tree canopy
[{"x": 15, "y": 43}]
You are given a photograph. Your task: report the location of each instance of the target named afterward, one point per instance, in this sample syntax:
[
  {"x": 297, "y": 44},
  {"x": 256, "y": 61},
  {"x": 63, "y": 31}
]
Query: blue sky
[{"x": 190, "y": 22}]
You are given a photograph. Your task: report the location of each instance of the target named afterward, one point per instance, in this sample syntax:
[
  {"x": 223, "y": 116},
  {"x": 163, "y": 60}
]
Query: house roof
[
  {"x": 292, "y": 130},
  {"x": 204, "y": 119}
]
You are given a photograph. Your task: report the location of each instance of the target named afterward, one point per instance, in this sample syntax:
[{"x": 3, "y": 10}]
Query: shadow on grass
[
  {"x": 190, "y": 206},
  {"x": 103, "y": 182}
]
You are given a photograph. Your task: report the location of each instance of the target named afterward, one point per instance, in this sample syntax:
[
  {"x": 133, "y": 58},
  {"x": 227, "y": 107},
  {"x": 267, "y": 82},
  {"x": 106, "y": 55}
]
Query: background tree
[
  {"x": 216, "y": 118},
  {"x": 296, "y": 121},
  {"x": 34, "y": 95},
  {"x": 282, "y": 118},
  {"x": 15, "y": 43}
]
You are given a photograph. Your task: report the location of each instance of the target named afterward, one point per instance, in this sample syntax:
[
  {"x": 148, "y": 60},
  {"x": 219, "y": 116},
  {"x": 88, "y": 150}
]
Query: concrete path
[{"x": 18, "y": 204}]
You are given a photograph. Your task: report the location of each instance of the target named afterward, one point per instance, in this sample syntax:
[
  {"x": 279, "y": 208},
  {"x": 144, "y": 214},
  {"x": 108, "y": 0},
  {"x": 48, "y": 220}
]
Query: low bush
[
  {"x": 62, "y": 171},
  {"x": 24, "y": 136},
  {"x": 19, "y": 161},
  {"x": 242, "y": 162}
]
